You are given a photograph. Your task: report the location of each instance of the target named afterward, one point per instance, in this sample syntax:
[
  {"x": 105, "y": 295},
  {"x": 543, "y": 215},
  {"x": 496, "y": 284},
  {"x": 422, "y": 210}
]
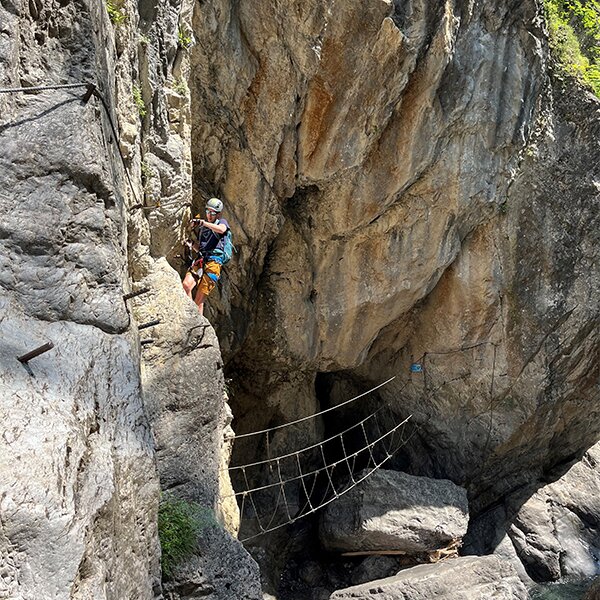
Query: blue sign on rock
[{"x": 416, "y": 368}]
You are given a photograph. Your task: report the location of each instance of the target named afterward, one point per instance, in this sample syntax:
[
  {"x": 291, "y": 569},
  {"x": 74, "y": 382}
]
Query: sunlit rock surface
[
  {"x": 457, "y": 579},
  {"x": 182, "y": 377},
  {"x": 78, "y": 485},
  {"x": 395, "y": 512},
  {"x": 79, "y": 488},
  {"x": 406, "y": 185},
  {"x": 556, "y": 530}
]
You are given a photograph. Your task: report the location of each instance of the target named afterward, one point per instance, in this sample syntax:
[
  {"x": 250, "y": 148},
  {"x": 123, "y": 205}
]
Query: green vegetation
[
  {"x": 147, "y": 173},
  {"x": 184, "y": 38},
  {"x": 116, "y": 11},
  {"x": 180, "y": 86},
  {"x": 136, "y": 92},
  {"x": 574, "y": 27},
  {"x": 179, "y": 524}
]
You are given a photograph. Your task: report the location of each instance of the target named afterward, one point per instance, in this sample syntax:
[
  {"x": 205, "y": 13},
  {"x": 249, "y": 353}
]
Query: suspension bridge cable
[
  {"x": 306, "y": 448},
  {"x": 349, "y": 459},
  {"x": 318, "y": 414},
  {"x": 368, "y": 446},
  {"x": 336, "y": 495}
]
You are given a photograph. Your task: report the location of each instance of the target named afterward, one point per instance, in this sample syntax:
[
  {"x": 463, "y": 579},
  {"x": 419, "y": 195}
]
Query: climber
[{"x": 205, "y": 270}]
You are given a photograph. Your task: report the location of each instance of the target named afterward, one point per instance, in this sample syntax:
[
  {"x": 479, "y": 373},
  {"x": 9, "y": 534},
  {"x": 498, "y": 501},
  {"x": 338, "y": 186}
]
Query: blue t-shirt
[{"x": 210, "y": 240}]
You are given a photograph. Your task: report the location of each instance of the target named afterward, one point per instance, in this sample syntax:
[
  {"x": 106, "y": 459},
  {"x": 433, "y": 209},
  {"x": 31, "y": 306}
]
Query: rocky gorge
[{"x": 414, "y": 193}]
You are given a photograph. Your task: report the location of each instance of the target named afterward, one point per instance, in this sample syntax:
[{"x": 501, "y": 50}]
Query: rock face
[
  {"x": 339, "y": 183},
  {"x": 182, "y": 376},
  {"x": 556, "y": 531},
  {"x": 62, "y": 231},
  {"x": 395, "y": 511},
  {"x": 79, "y": 491},
  {"x": 78, "y": 484},
  {"x": 79, "y": 488},
  {"x": 456, "y": 579},
  {"x": 405, "y": 184},
  {"x": 373, "y": 237}
]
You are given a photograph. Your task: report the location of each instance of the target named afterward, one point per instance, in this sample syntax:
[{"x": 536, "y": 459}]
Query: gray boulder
[
  {"x": 376, "y": 567},
  {"x": 507, "y": 552},
  {"x": 396, "y": 512},
  {"x": 469, "y": 577},
  {"x": 557, "y": 531},
  {"x": 593, "y": 592}
]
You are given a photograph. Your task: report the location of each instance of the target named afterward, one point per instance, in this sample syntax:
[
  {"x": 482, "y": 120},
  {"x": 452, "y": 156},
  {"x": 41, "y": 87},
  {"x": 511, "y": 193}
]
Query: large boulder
[
  {"x": 466, "y": 578},
  {"x": 507, "y": 552},
  {"x": 593, "y": 592},
  {"x": 395, "y": 512},
  {"x": 557, "y": 531}
]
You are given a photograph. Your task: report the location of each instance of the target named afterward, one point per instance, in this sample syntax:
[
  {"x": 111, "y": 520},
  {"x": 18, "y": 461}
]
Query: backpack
[{"x": 228, "y": 247}]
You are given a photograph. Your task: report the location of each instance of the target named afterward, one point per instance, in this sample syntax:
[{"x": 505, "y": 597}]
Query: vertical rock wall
[
  {"x": 78, "y": 486},
  {"x": 401, "y": 229},
  {"x": 399, "y": 177},
  {"x": 182, "y": 377},
  {"x": 404, "y": 185},
  {"x": 92, "y": 194}
]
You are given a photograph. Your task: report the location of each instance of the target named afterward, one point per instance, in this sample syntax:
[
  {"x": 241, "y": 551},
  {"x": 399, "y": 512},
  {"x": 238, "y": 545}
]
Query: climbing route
[{"x": 92, "y": 90}]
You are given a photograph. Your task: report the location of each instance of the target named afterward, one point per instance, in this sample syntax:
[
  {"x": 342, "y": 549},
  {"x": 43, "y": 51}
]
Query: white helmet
[{"x": 214, "y": 204}]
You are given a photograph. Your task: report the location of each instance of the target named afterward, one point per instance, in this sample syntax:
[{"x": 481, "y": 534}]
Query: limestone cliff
[
  {"x": 79, "y": 490},
  {"x": 93, "y": 429},
  {"x": 407, "y": 181}
]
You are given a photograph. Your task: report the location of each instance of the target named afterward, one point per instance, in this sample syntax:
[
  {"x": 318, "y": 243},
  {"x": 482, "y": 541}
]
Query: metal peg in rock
[
  {"x": 91, "y": 88},
  {"x": 39, "y": 350},
  {"x": 134, "y": 294},
  {"x": 149, "y": 324}
]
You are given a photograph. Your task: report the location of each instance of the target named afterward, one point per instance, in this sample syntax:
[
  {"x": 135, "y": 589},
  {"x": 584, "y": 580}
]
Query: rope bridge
[{"x": 299, "y": 483}]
